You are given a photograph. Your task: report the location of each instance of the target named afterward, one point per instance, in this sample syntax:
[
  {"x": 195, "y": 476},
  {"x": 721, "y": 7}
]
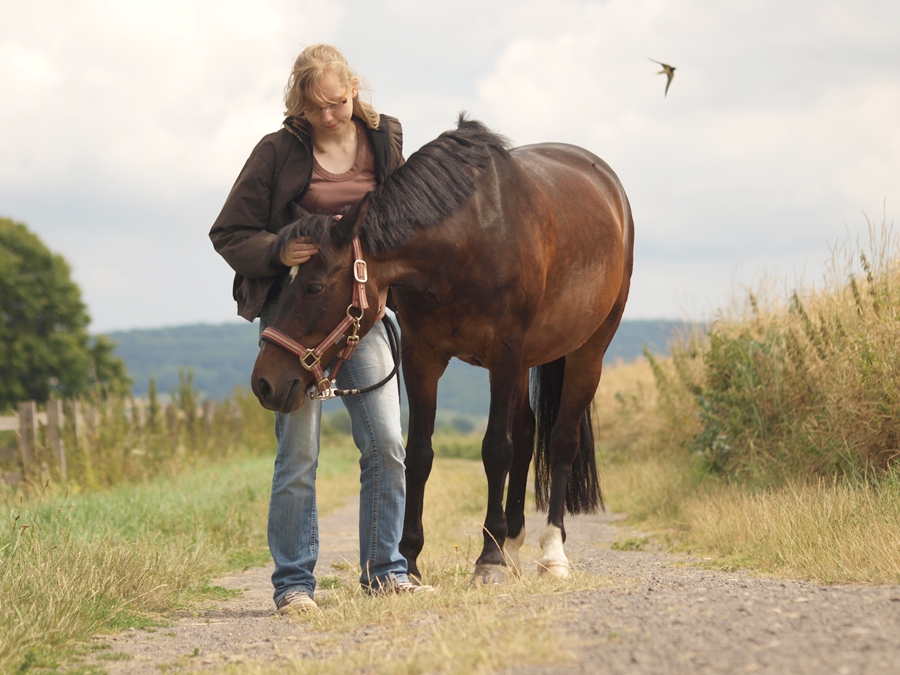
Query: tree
[{"x": 44, "y": 344}]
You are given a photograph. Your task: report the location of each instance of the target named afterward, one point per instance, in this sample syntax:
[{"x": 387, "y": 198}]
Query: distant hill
[{"x": 221, "y": 358}]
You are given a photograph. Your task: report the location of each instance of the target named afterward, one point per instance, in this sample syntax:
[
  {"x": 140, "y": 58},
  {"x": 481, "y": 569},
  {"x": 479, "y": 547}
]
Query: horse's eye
[{"x": 312, "y": 289}]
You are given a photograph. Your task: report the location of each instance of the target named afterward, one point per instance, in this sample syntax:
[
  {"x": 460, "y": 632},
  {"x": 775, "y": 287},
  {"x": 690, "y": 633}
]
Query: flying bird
[{"x": 668, "y": 71}]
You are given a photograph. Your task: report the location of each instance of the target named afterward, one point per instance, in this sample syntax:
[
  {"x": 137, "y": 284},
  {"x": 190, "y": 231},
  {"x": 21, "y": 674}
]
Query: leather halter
[{"x": 311, "y": 358}]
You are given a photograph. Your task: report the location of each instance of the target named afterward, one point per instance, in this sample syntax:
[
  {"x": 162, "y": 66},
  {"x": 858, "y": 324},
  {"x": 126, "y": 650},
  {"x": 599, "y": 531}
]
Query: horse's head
[{"x": 317, "y": 298}]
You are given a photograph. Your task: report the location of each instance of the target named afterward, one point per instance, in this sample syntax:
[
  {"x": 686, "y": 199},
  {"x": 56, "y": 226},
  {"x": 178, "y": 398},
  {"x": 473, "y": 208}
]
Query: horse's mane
[{"x": 433, "y": 183}]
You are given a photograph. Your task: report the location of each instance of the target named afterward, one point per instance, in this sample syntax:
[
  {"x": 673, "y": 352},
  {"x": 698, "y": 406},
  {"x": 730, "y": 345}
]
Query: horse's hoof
[
  {"x": 555, "y": 569},
  {"x": 554, "y": 562},
  {"x": 489, "y": 575},
  {"x": 511, "y": 552}
]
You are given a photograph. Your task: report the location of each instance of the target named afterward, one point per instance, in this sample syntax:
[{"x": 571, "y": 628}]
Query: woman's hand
[{"x": 298, "y": 251}]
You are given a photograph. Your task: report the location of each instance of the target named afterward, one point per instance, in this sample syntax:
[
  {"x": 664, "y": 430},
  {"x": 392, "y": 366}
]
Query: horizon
[{"x": 242, "y": 322}]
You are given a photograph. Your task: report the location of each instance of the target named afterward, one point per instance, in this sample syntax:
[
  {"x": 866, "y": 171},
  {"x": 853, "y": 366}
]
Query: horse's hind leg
[
  {"x": 565, "y": 442},
  {"x": 523, "y": 447},
  {"x": 571, "y": 434}
]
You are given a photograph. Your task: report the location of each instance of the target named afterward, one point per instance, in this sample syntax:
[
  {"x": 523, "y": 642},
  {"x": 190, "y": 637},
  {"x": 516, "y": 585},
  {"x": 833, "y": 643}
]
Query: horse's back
[
  {"x": 548, "y": 231},
  {"x": 565, "y": 172},
  {"x": 582, "y": 229},
  {"x": 576, "y": 211}
]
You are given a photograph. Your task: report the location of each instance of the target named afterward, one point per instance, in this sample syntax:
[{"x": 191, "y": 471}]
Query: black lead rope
[{"x": 394, "y": 341}]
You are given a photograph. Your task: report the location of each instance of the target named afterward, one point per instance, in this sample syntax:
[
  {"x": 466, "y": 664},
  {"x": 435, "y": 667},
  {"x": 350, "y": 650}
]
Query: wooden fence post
[
  {"x": 10, "y": 455},
  {"x": 235, "y": 415},
  {"x": 54, "y": 428},
  {"x": 77, "y": 423},
  {"x": 139, "y": 412},
  {"x": 91, "y": 420},
  {"x": 172, "y": 423},
  {"x": 209, "y": 412},
  {"x": 27, "y": 433}
]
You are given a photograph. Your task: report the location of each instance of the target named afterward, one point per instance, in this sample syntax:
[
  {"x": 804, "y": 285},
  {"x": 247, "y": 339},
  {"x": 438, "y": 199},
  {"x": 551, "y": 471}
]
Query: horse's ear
[{"x": 351, "y": 223}]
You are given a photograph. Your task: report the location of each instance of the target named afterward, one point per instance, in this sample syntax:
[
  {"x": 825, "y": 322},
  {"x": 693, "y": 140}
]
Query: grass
[
  {"x": 107, "y": 561},
  {"x": 771, "y": 442},
  {"x": 115, "y": 443},
  {"x": 800, "y": 385},
  {"x": 830, "y": 531},
  {"x": 827, "y": 531},
  {"x": 97, "y": 563},
  {"x": 456, "y": 629},
  {"x": 75, "y": 565}
]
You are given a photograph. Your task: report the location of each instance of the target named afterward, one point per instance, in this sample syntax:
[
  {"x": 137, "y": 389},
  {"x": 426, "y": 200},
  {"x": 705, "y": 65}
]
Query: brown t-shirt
[{"x": 329, "y": 193}]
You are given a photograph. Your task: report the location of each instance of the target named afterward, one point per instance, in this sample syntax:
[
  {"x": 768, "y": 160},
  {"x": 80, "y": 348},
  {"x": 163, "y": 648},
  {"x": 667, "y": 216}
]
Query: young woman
[{"x": 331, "y": 150}]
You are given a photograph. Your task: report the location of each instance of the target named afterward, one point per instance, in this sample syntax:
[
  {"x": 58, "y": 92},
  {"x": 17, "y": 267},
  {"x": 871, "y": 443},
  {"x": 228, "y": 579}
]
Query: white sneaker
[
  {"x": 410, "y": 587},
  {"x": 297, "y": 602},
  {"x": 392, "y": 586}
]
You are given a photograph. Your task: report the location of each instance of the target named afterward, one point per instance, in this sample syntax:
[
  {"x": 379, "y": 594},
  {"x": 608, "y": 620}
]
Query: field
[
  {"x": 121, "y": 581},
  {"x": 751, "y": 470}
]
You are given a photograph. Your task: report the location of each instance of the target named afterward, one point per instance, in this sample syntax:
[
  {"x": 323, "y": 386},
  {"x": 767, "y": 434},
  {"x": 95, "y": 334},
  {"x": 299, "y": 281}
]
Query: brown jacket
[{"x": 278, "y": 172}]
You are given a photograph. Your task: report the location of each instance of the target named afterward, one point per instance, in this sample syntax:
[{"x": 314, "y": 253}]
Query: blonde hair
[{"x": 310, "y": 68}]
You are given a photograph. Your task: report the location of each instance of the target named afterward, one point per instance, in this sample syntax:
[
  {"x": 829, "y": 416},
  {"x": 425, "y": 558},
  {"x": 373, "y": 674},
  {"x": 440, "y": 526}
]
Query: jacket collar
[{"x": 296, "y": 126}]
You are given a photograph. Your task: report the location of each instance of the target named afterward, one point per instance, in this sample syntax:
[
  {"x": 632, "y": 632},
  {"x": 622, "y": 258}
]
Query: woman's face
[{"x": 333, "y": 116}]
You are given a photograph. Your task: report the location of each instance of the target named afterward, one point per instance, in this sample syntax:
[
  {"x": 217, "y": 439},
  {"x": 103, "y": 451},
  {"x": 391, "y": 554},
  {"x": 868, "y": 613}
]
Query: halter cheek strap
[{"x": 311, "y": 358}]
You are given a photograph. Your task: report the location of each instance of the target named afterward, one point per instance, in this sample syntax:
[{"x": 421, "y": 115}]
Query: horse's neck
[{"x": 427, "y": 257}]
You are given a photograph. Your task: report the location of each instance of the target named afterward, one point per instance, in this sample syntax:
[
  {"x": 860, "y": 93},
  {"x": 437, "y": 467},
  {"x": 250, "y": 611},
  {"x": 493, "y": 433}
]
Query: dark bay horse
[{"x": 507, "y": 259}]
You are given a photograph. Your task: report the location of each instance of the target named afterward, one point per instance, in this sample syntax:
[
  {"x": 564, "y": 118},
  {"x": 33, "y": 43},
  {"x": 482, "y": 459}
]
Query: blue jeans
[{"x": 293, "y": 518}]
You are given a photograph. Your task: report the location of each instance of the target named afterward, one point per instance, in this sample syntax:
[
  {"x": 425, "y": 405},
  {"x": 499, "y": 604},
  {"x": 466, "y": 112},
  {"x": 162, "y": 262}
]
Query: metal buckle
[
  {"x": 313, "y": 364},
  {"x": 360, "y": 271},
  {"x": 320, "y": 395}
]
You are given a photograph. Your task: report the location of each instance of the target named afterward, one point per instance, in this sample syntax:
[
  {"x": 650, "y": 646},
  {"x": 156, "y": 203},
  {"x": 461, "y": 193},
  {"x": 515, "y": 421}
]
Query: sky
[{"x": 123, "y": 124}]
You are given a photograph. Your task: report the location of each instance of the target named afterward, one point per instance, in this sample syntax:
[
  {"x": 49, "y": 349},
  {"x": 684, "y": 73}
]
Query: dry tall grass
[
  {"x": 827, "y": 531},
  {"x": 807, "y": 384},
  {"x": 115, "y": 448},
  {"x": 824, "y": 530},
  {"x": 56, "y": 589},
  {"x": 457, "y": 628},
  {"x": 771, "y": 441}
]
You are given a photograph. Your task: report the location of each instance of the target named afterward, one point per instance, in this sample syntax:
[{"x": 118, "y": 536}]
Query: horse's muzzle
[{"x": 287, "y": 398}]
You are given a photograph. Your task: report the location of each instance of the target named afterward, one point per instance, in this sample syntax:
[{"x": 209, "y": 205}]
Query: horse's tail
[{"x": 583, "y": 487}]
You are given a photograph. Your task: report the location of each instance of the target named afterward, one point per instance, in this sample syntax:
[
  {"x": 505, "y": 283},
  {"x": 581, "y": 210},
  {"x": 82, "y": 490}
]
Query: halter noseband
[{"x": 311, "y": 358}]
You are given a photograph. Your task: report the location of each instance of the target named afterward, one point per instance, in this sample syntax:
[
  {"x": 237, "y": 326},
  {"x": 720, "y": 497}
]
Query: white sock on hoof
[
  {"x": 511, "y": 551},
  {"x": 553, "y": 562}
]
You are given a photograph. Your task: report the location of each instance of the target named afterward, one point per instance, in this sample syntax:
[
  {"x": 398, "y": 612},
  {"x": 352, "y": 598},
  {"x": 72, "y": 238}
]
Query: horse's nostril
[{"x": 263, "y": 389}]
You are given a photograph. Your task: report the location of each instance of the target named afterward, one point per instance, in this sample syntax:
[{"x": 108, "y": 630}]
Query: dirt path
[
  {"x": 667, "y": 616},
  {"x": 241, "y": 629},
  {"x": 662, "y": 616}
]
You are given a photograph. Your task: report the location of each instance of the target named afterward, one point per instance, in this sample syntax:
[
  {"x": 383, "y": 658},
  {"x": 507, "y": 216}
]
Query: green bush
[{"x": 805, "y": 386}]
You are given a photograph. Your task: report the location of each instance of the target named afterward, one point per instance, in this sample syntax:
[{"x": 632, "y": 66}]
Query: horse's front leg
[
  {"x": 421, "y": 372},
  {"x": 523, "y": 448},
  {"x": 497, "y": 454}
]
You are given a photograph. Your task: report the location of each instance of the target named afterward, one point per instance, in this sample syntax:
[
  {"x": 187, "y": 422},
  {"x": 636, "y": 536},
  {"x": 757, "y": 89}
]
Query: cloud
[
  {"x": 136, "y": 96},
  {"x": 125, "y": 122},
  {"x": 25, "y": 70},
  {"x": 770, "y": 137}
]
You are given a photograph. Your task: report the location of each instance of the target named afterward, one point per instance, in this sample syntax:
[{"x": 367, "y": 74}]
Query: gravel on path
[
  {"x": 664, "y": 614},
  {"x": 667, "y": 615}
]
